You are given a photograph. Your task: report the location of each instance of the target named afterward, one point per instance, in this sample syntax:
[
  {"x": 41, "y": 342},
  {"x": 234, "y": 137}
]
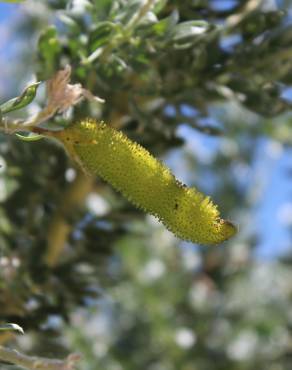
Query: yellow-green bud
[{"x": 145, "y": 181}]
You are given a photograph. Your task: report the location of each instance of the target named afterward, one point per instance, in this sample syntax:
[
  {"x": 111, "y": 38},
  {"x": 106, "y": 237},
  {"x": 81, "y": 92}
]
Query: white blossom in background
[
  {"x": 4, "y": 261},
  {"x": 70, "y": 174},
  {"x": 243, "y": 346},
  {"x": 97, "y": 204},
  {"x": 199, "y": 294},
  {"x": 185, "y": 338},
  {"x": 153, "y": 270}
]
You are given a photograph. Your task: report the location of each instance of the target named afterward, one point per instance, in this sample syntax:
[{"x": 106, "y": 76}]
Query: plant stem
[
  {"x": 37, "y": 363},
  {"x": 60, "y": 228}
]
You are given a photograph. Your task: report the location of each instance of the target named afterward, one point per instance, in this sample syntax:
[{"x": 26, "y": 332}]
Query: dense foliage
[{"x": 200, "y": 86}]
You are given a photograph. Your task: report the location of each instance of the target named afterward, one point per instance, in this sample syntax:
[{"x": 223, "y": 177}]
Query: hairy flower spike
[{"x": 145, "y": 181}]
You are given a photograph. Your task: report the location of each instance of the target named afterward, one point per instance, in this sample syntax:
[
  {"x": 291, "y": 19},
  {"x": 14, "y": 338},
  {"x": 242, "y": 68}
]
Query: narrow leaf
[
  {"x": 21, "y": 101},
  {"x": 31, "y": 137},
  {"x": 189, "y": 30},
  {"x": 13, "y": 327}
]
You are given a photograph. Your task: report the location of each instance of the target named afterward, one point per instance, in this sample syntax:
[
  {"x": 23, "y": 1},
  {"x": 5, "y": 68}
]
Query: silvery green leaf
[
  {"x": 30, "y": 137},
  {"x": 11, "y": 327},
  {"x": 21, "y": 101}
]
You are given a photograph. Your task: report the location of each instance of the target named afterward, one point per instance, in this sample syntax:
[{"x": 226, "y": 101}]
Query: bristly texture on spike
[{"x": 144, "y": 181}]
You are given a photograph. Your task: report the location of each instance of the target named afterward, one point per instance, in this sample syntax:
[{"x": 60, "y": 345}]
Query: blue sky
[
  {"x": 268, "y": 182},
  {"x": 275, "y": 209},
  {"x": 8, "y": 48},
  {"x": 7, "y": 10}
]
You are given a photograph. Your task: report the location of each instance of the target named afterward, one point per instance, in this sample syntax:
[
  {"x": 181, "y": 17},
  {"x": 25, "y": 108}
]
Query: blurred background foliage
[{"x": 204, "y": 85}]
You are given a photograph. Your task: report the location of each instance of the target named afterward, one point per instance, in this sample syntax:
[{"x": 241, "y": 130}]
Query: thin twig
[
  {"x": 38, "y": 363},
  {"x": 59, "y": 228},
  {"x": 233, "y": 20},
  {"x": 10, "y": 126},
  {"x": 61, "y": 95}
]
